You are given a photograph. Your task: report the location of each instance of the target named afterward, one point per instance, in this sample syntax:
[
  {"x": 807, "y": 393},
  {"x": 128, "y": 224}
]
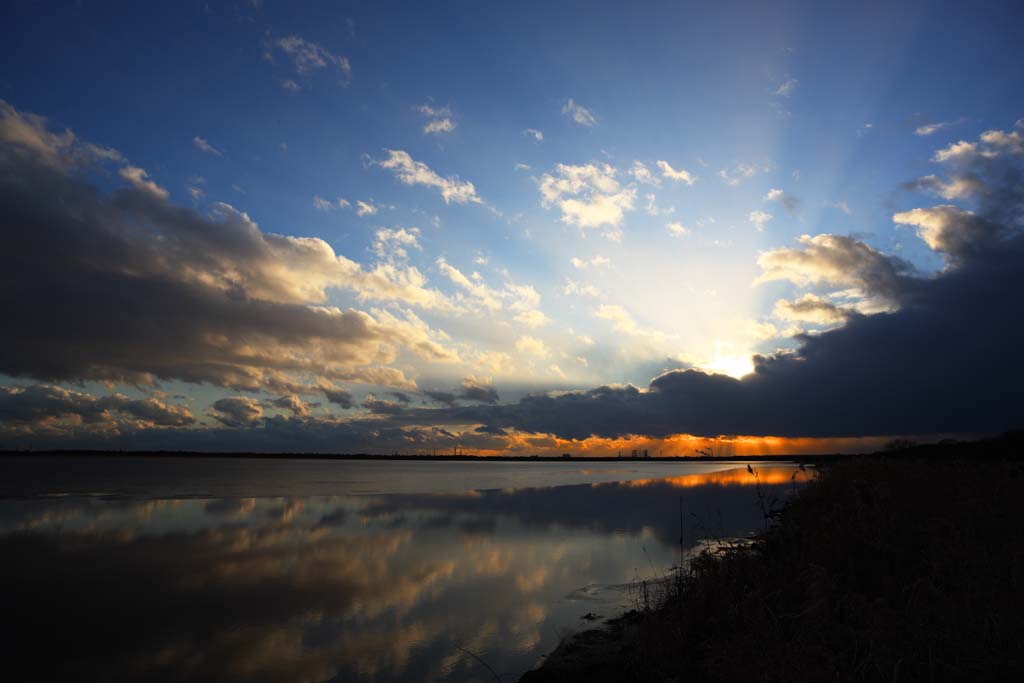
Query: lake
[{"x": 230, "y": 569}]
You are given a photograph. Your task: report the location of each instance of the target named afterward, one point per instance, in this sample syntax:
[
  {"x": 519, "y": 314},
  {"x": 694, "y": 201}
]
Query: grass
[{"x": 903, "y": 566}]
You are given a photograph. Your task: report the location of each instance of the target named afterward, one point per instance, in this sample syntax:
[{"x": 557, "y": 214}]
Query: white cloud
[
  {"x": 596, "y": 261},
  {"x": 681, "y": 175},
  {"x": 581, "y": 289},
  {"x": 391, "y": 243},
  {"x": 322, "y": 204},
  {"x": 535, "y": 134},
  {"x": 787, "y": 88},
  {"x": 621, "y": 320},
  {"x": 759, "y": 219},
  {"x": 791, "y": 203},
  {"x": 588, "y": 196},
  {"x": 196, "y": 193},
  {"x": 307, "y": 56},
  {"x": 412, "y": 172},
  {"x": 677, "y": 229},
  {"x": 737, "y": 174},
  {"x": 439, "y": 126},
  {"x": 930, "y": 128},
  {"x": 140, "y": 180},
  {"x": 440, "y": 119},
  {"x": 532, "y": 318},
  {"x": 842, "y": 206},
  {"x": 578, "y": 113},
  {"x": 205, "y": 146},
  {"x": 365, "y": 208},
  {"x": 532, "y": 346},
  {"x": 642, "y": 174}
]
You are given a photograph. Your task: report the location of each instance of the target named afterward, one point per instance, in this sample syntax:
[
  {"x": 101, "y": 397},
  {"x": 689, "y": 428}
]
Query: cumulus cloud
[
  {"x": 680, "y": 175},
  {"x": 235, "y": 411},
  {"x": 837, "y": 260},
  {"x": 136, "y": 289},
  {"x": 412, "y": 172},
  {"x": 578, "y": 113},
  {"x": 49, "y": 406},
  {"x": 589, "y": 195},
  {"x": 535, "y": 134}
]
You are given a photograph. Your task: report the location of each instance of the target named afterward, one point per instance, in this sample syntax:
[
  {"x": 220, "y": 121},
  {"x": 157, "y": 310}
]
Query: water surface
[{"x": 312, "y": 570}]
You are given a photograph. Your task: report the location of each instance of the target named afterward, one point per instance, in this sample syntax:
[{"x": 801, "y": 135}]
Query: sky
[{"x": 509, "y": 228}]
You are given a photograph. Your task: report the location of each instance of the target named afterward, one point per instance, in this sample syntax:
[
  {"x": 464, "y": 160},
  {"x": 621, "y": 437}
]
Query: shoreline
[
  {"x": 904, "y": 565},
  {"x": 823, "y": 457}
]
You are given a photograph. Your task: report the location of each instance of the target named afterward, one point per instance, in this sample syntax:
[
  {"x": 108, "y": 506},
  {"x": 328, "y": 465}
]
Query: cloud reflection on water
[{"x": 346, "y": 588}]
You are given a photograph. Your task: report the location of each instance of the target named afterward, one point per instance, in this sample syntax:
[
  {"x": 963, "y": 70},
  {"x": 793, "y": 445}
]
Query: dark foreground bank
[{"x": 904, "y": 566}]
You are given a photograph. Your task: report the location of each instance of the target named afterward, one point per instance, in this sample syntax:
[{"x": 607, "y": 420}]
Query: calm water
[{"x": 268, "y": 570}]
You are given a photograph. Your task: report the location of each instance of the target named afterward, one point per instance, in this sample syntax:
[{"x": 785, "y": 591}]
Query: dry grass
[{"x": 904, "y": 566}]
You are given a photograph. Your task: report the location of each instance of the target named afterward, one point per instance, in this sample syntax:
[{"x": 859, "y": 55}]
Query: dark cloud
[
  {"x": 236, "y": 411},
  {"x": 340, "y": 397},
  {"x": 127, "y": 287},
  {"x": 476, "y": 390},
  {"x": 40, "y": 404}
]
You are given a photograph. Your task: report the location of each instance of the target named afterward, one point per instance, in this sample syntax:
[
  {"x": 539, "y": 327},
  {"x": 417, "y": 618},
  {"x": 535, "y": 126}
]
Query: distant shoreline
[{"x": 425, "y": 457}]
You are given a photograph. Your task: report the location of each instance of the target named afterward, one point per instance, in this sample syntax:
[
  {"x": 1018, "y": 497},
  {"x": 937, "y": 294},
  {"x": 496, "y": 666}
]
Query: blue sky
[{"x": 630, "y": 164}]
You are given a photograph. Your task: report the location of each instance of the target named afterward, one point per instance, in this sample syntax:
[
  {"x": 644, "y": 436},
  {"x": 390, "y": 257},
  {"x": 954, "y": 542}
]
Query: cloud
[
  {"x": 204, "y": 146},
  {"x": 365, "y": 208},
  {"x": 810, "y": 309},
  {"x": 391, "y": 244},
  {"x": 140, "y": 179},
  {"x": 580, "y": 288},
  {"x": 532, "y": 318},
  {"x": 440, "y": 119},
  {"x": 787, "y": 88},
  {"x": 842, "y": 206},
  {"x": 588, "y": 196},
  {"x": 322, "y": 204},
  {"x": 478, "y": 390},
  {"x": 621, "y": 319},
  {"x": 681, "y": 175},
  {"x": 534, "y": 133},
  {"x": 413, "y": 172},
  {"x": 952, "y": 230},
  {"x": 307, "y": 56},
  {"x": 235, "y": 411},
  {"x": 737, "y": 174},
  {"x": 643, "y": 175},
  {"x": 596, "y": 261},
  {"x": 791, "y": 203},
  {"x": 931, "y": 128},
  {"x": 47, "y": 405},
  {"x": 139, "y": 290},
  {"x": 838, "y": 260},
  {"x": 759, "y": 219},
  {"x": 439, "y": 126},
  {"x": 677, "y": 229},
  {"x": 532, "y": 346},
  {"x": 578, "y": 113}
]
